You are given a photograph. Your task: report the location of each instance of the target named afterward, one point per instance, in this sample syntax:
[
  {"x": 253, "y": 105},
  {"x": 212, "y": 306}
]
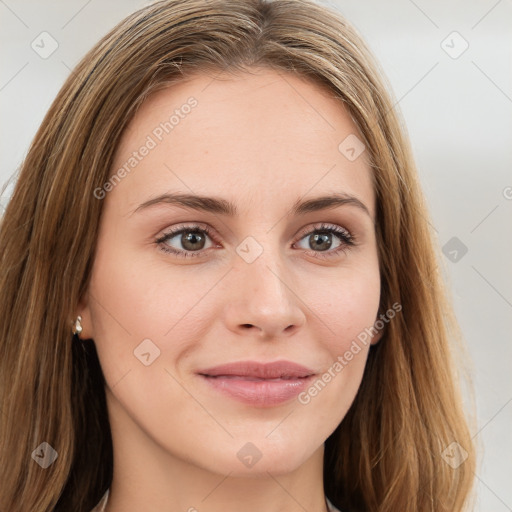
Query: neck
[{"x": 199, "y": 491}]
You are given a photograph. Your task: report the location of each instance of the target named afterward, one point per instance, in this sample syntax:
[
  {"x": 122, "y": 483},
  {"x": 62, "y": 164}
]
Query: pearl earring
[{"x": 77, "y": 328}]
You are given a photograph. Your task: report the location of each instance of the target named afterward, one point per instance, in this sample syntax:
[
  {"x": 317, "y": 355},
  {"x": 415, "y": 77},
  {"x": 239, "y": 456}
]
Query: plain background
[{"x": 457, "y": 106}]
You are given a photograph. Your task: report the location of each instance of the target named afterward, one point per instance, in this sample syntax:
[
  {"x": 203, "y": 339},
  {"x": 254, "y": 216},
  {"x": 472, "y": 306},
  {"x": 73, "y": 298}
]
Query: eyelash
[{"x": 347, "y": 240}]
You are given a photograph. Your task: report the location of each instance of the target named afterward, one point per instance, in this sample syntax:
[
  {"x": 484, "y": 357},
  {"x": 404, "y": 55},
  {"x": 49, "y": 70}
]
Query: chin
[{"x": 259, "y": 457}]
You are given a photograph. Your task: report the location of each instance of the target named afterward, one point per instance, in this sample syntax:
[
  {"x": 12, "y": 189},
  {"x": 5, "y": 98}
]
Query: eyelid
[
  {"x": 323, "y": 226},
  {"x": 189, "y": 226},
  {"x": 212, "y": 233}
]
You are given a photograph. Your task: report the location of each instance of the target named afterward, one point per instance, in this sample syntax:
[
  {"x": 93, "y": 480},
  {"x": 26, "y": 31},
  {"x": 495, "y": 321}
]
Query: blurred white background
[{"x": 457, "y": 105}]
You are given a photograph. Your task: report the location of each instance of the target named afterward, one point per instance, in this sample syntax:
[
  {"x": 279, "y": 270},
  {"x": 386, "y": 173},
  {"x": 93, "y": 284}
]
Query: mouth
[{"x": 258, "y": 384}]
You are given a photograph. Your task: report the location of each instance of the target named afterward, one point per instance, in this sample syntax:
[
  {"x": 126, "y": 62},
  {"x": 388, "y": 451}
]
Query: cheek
[
  {"x": 133, "y": 300},
  {"x": 347, "y": 305},
  {"x": 348, "y": 310}
]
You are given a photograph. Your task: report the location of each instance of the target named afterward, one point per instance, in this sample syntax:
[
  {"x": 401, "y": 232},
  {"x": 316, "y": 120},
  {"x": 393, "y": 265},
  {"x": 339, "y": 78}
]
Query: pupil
[
  {"x": 190, "y": 239},
  {"x": 322, "y": 240}
]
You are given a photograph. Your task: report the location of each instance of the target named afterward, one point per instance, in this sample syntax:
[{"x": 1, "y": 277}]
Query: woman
[{"x": 220, "y": 287}]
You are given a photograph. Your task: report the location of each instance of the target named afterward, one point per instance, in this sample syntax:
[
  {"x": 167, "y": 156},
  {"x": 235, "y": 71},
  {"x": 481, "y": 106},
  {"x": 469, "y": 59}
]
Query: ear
[
  {"x": 380, "y": 332},
  {"x": 84, "y": 311},
  {"x": 377, "y": 337}
]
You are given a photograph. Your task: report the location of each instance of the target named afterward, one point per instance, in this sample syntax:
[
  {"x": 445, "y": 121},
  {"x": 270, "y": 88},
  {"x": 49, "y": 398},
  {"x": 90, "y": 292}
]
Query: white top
[
  {"x": 100, "y": 507},
  {"x": 332, "y": 508}
]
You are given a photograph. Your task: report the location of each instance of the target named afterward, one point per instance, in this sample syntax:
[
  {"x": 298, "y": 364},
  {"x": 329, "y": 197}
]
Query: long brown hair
[{"x": 386, "y": 455}]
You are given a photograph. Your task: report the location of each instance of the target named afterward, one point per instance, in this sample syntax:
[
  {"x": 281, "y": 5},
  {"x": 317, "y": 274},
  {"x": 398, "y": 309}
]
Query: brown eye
[
  {"x": 320, "y": 242},
  {"x": 192, "y": 240},
  {"x": 326, "y": 239},
  {"x": 186, "y": 241}
]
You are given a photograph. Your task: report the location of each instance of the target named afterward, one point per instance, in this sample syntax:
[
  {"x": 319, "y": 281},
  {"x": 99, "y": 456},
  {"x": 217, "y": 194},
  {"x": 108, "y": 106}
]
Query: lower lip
[{"x": 264, "y": 392}]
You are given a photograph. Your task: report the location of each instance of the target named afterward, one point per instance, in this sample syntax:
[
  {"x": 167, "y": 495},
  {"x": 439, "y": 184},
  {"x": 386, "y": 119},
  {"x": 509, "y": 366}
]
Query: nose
[{"x": 263, "y": 302}]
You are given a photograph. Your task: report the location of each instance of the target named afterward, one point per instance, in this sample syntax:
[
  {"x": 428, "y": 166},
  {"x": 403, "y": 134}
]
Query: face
[{"x": 225, "y": 324}]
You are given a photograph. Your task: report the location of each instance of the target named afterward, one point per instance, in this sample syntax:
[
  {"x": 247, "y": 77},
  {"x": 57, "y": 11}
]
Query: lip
[{"x": 258, "y": 384}]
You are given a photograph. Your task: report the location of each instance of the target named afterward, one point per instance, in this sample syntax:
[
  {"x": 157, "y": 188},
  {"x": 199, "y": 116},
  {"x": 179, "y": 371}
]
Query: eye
[
  {"x": 194, "y": 241},
  {"x": 186, "y": 241},
  {"x": 329, "y": 239}
]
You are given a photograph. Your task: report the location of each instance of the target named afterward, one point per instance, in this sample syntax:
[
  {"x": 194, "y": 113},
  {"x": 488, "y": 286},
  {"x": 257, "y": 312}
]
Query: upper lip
[{"x": 274, "y": 370}]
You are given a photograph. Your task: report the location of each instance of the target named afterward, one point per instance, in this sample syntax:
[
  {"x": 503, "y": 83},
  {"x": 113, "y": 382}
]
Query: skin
[{"x": 261, "y": 140}]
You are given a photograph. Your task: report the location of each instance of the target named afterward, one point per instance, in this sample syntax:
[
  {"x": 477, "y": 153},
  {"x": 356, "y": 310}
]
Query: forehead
[{"x": 255, "y": 138}]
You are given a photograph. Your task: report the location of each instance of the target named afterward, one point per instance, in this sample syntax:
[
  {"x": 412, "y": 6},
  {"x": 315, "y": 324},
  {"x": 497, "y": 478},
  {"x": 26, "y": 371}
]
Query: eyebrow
[{"x": 221, "y": 206}]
